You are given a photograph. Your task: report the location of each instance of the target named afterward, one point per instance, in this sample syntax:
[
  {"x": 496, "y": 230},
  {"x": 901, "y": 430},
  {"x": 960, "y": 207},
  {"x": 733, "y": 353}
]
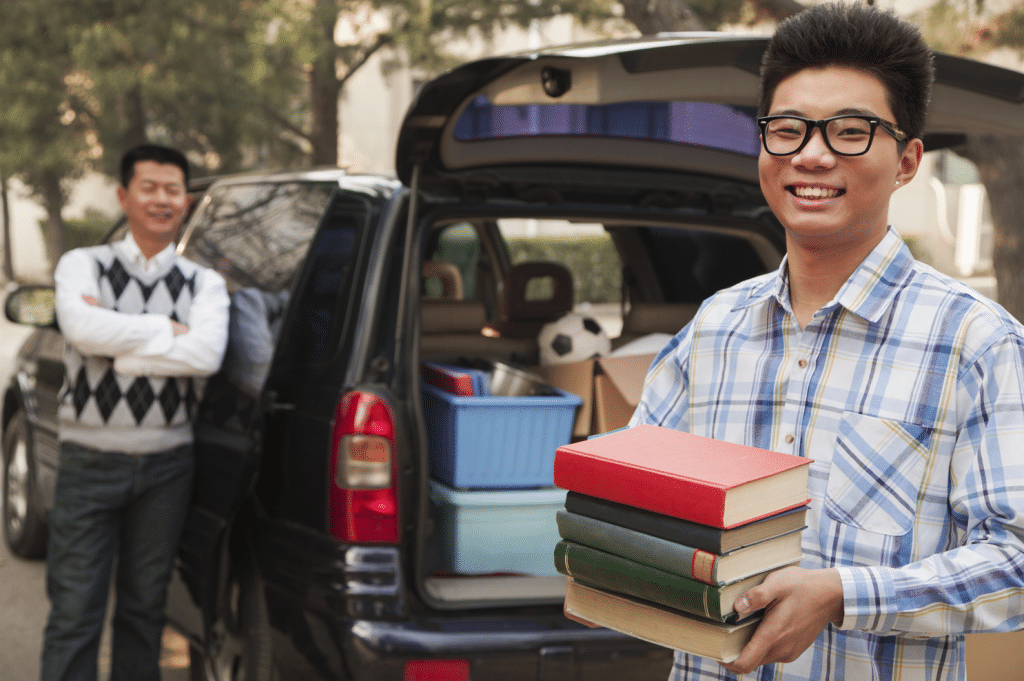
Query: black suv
[{"x": 617, "y": 179}]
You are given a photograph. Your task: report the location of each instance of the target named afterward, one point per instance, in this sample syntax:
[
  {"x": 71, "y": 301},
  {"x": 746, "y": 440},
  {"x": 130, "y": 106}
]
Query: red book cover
[
  {"x": 447, "y": 378},
  {"x": 686, "y": 476}
]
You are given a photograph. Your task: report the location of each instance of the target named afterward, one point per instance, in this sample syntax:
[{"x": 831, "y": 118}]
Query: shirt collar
[
  {"x": 867, "y": 293},
  {"x": 129, "y": 249}
]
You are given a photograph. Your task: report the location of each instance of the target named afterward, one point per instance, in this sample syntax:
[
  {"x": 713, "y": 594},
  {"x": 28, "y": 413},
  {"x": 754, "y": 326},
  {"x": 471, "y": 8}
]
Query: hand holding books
[
  {"x": 797, "y": 605},
  {"x": 639, "y": 501}
]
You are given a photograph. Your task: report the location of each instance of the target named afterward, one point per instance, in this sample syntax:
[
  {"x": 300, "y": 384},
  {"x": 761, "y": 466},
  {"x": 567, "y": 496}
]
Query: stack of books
[{"x": 663, "y": 530}]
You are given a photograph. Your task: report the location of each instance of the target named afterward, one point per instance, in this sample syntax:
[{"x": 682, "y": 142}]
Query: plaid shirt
[{"x": 907, "y": 391}]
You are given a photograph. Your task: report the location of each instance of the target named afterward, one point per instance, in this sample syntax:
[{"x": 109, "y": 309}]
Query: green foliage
[
  {"x": 87, "y": 230},
  {"x": 432, "y": 24},
  {"x": 593, "y": 261},
  {"x": 718, "y": 12},
  {"x": 1010, "y": 30},
  {"x": 946, "y": 26},
  {"x": 953, "y": 26},
  {"x": 176, "y": 73},
  {"x": 42, "y": 139}
]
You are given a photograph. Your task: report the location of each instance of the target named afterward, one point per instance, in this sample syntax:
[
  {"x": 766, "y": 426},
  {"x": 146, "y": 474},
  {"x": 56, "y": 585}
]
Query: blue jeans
[{"x": 107, "y": 506}]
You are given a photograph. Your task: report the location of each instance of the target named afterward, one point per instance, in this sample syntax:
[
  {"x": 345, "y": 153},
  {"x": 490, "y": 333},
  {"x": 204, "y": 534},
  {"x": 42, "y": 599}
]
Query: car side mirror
[{"x": 32, "y": 305}]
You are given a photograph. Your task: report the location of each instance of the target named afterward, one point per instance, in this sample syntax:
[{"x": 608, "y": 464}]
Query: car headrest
[
  {"x": 448, "y": 275},
  {"x": 534, "y": 291}
]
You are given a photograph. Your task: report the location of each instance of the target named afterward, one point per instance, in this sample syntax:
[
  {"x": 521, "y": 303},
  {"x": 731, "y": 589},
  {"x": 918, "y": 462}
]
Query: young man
[
  {"x": 905, "y": 387},
  {"x": 141, "y": 325}
]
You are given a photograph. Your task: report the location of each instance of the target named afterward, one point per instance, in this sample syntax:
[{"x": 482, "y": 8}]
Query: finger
[
  {"x": 754, "y": 599},
  {"x": 753, "y": 654}
]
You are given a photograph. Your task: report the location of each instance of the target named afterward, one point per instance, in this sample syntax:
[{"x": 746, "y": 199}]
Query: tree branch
[
  {"x": 285, "y": 123},
  {"x": 382, "y": 40}
]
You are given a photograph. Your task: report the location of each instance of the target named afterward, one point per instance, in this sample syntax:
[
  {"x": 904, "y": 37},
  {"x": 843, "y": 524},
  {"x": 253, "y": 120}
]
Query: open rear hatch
[
  {"x": 667, "y": 122},
  {"x": 661, "y": 107}
]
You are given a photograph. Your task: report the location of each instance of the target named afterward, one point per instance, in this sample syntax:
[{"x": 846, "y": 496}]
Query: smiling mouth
[{"x": 815, "y": 192}]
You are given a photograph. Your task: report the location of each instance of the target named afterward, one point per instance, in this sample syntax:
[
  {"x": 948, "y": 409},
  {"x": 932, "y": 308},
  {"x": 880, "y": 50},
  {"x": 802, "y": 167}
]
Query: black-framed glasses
[{"x": 846, "y": 135}]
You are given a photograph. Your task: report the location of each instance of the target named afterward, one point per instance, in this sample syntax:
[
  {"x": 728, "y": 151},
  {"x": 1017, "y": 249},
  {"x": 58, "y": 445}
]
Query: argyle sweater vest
[{"x": 107, "y": 410}]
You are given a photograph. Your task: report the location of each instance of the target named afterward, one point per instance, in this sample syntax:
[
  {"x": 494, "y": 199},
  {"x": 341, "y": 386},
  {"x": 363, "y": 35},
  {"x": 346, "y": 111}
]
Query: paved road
[{"x": 23, "y": 604}]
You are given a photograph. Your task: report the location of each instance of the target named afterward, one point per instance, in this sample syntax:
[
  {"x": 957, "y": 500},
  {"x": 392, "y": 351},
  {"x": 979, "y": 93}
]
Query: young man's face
[
  {"x": 155, "y": 201},
  {"x": 823, "y": 199}
]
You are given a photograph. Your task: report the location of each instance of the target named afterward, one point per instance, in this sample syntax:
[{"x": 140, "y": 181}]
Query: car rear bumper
[
  {"x": 341, "y": 612},
  {"x": 547, "y": 649}
]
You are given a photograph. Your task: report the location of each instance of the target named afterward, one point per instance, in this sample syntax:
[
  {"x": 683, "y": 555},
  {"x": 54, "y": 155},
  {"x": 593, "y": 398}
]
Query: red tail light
[
  {"x": 364, "y": 480},
  {"x": 436, "y": 670}
]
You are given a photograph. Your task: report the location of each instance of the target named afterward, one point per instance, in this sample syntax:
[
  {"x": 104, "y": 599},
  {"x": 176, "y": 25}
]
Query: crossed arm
[{"x": 142, "y": 344}]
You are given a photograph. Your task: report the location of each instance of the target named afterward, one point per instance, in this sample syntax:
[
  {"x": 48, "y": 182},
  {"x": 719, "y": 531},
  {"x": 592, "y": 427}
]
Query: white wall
[{"x": 94, "y": 191}]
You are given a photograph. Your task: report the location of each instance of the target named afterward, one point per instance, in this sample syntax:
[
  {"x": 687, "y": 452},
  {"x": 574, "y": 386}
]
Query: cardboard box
[
  {"x": 995, "y": 656},
  {"x": 610, "y": 388}
]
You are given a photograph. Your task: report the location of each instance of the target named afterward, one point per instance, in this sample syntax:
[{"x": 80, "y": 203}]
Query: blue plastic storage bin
[
  {"x": 489, "y": 531},
  {"x": 496, "y": 442}
]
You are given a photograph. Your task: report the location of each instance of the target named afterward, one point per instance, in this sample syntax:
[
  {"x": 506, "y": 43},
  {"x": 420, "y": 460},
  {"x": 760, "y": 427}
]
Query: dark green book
[
  {"x": 703, "y": 537},
  {"x": 604, "y": 570}
]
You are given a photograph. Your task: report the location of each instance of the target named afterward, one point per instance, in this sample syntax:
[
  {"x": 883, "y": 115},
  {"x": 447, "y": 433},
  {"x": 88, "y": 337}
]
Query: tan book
[{"x": 657, "y": 624}]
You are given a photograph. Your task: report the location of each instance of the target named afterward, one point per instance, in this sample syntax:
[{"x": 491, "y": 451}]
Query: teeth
[{"x": 816, "y": 192}]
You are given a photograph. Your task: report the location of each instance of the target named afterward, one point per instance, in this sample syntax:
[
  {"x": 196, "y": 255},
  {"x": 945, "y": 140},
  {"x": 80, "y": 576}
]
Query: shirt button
[
  {"x": 790, "y": 439},
  {"x": 802, "y": 364}
]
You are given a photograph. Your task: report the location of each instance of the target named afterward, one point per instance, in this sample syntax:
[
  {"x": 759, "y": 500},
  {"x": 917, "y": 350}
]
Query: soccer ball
[{"x": 571, "y": 338}]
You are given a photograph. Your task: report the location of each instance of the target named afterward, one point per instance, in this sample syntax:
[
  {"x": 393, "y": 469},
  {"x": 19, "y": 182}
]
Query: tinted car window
[
  {"x": 323, "y": 297},
  {"x": 257, "y": 235},
  {"x": 691, "y": 264}
]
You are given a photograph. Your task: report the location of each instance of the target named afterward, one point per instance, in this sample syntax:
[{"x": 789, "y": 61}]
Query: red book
[
  {"x": 686, "y": 476},
  {"x": 448, "y": 378}
]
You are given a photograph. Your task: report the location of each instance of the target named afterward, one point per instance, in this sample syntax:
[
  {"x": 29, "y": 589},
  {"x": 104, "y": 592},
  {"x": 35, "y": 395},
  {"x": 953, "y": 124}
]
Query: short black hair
[
  {"x": 151, "y": 152},
  {"x": 858, "y": 37}
]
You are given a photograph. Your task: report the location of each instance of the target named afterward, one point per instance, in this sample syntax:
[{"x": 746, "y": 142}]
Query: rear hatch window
[{"x": 716, "y": 126}]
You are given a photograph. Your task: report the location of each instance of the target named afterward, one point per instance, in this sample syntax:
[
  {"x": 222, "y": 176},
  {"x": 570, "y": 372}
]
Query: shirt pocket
[{"x": 878, "y": 468}]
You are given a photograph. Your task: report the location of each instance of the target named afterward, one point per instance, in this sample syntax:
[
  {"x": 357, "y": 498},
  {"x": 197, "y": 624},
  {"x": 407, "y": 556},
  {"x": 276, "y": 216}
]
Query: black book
[{"x": 704, "y": 537}]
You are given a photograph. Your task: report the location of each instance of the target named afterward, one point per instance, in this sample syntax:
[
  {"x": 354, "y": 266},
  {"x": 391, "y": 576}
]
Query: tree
[
  {"x": 233, "y": 83},
  {"x": 658, "y": 16},
  {"x": 181, "y": 73},
  {"x": 83, "y": 82},
  {"x": 303, "y": 38},
  {"x": 43, "y": 143},
  {"x": 5, "y": 215}
]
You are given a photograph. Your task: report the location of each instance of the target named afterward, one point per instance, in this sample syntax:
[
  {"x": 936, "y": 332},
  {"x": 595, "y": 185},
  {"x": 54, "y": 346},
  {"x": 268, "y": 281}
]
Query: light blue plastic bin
[
  {"x": 496, "y": 442},
  {"x": 488, "y": 531}
]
